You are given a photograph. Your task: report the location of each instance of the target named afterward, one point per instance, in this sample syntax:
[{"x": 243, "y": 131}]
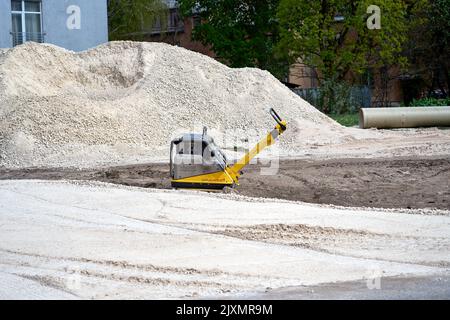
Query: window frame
[{"x": 23, "y": 14}]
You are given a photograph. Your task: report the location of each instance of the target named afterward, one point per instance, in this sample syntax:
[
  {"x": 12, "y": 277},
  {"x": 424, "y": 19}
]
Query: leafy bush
[
  {"x": 336, "y": 97},
  {"x": 430, "y": 102},
  {"x": 348, "y": 120}
]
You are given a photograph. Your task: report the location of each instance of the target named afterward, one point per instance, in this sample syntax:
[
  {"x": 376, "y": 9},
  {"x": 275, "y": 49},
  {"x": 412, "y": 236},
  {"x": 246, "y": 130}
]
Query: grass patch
[{"x": 348, "y": 120}]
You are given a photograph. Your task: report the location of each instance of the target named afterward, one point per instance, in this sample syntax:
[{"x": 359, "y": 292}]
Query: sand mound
[{"x": 124, "y": 101}]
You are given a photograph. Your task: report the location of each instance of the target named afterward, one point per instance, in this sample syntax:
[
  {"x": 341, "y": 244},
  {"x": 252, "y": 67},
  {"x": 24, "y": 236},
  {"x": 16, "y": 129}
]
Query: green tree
[
  {"x": 332, "y": 37},
  {"x": 242, "y": 33},
  {"x": 310, "y": 31},
  {"x": 129, "y": 20},
  {"x": 429, "y": 43}
]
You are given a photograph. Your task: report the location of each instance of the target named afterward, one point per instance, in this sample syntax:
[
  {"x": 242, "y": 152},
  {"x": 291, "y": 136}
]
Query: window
[
  {"x": 26, "y": 21},
  {"x": 196, "y": 21},
  {"x": 339, "y": 18},
  {"x": 175, "y": 22}
]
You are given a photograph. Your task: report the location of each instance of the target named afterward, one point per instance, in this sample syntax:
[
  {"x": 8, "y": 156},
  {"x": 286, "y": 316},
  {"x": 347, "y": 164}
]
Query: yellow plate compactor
[{"x": 197, "y": 162}]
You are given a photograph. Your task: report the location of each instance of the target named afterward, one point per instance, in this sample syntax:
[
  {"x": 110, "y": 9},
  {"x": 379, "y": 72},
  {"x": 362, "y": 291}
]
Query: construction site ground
[
  {"x": 94, "y": 240},
  {"x": 87, "y": 211}
]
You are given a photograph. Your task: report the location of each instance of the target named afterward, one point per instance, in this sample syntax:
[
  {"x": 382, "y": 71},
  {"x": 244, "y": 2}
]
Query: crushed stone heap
[{"x": 123, "y": 102}]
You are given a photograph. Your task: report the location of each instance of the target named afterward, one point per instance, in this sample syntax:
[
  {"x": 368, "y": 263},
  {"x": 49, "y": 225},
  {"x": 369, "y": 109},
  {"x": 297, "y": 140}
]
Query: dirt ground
[
  {"x": 393, "y": 288},
  {"x": 93, "y": 240},
  {"x": 379, "y": 183}
]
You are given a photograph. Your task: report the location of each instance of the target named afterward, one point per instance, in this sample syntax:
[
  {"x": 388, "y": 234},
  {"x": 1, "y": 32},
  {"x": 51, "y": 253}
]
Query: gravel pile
[{"x": 123, "y": 102}]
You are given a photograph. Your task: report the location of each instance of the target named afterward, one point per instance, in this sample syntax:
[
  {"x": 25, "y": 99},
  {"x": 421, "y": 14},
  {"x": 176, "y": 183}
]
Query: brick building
[
  {"x": 178, "y": 30},
  {"x": 385, "y": 86}
]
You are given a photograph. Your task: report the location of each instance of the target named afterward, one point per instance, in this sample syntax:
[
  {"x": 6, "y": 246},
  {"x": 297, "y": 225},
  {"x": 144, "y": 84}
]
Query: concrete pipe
[{"x": 385, "y": 118}]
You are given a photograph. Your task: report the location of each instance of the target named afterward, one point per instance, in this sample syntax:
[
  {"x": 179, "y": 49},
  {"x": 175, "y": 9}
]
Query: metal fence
[
  {"x": 21, "y": 37},
  {"x": 169, "y": 29},
  {"x": 359, "y": 96}
]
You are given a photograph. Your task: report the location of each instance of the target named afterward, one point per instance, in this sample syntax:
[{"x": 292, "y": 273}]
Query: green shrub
[
  {"x": 430, "y": 102},
  {"x": 334, "y": 97},
  {"x": 348, "y": 120}
]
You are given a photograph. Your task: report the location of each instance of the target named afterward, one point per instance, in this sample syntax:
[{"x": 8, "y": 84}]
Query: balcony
[
  {"x": 168, "y": 29},
  {"x": 173, "y": 24},
  {"x": 21, "y": 37}
]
